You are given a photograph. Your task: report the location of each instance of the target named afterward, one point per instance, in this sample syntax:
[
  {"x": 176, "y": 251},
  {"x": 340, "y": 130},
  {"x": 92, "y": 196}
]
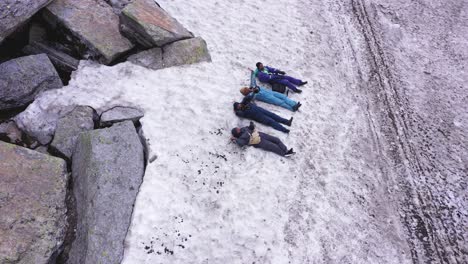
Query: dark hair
[
  {"x": 258, "y": 64},
  {"x": 235, "y": 133}
]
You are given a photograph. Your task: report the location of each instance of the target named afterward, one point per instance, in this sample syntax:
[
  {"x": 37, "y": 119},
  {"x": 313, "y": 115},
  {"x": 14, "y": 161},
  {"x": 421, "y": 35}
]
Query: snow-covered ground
[{"x": 205, "y": 200}]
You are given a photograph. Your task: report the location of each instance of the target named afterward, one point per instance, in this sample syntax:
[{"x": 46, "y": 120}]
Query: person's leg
[
  {"x": 275, "y": 117},
  {"x": 274, "y": 140},
  {"x": 292, "y": 80},
  {"x": 287, "y": 83},
  {"x": 270, "y": 146},
  {"x": 278, "y": 101},
  {"x": 286, "y": 100},
  {"x": 266, "y": 120}
]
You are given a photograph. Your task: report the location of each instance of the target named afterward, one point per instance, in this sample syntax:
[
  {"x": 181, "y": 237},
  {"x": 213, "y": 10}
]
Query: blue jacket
[{"x": 268, "y": 74}]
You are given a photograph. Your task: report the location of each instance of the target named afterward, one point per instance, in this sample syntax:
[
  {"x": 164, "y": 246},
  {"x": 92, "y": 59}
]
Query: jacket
[
  {"x": 248, "y": 136},
  {"x": 268, "y": 74}
]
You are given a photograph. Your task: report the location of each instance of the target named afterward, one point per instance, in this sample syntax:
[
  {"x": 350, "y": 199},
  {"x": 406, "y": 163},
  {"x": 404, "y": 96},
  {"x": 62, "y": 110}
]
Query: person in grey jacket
[{"x": 249, "y": 136}]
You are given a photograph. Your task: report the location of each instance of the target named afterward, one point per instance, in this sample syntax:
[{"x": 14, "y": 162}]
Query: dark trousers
[
  {"x": 272, "y": 144},
  {"x": 271, "y": 119},
  {"x": 289, "y": 81}
]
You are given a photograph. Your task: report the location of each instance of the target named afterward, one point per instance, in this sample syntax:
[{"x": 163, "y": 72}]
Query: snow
[{"x": 205, "y": 200}]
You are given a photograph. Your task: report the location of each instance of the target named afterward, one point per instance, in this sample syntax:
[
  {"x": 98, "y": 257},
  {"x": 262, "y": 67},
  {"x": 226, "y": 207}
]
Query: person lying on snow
[
  {"x": 271, "y": 75},
  {"x": 269, "y": 97},
  {"x": 249, "y": 136},
  {"x": 251, "y": 111}
]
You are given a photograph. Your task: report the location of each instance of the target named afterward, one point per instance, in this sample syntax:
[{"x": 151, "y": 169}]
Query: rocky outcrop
[
  {"x": 182, "y": 52},
  {"x": 23, "y": 78},
  {"x": 108, "y": 167},
  {"x": 68, "y": 129},
  {"x": 186, "y": 52},
  {"x": 121, "y": 113},
  {"x": 94, "y": 26},
  {"x": 59, "y": 59},
  {"x": 148, "y": 24},
  {"x": 14, "y": 13},
  {"x": 151, "y": 59},
  {"x": 32, "y": 205}
]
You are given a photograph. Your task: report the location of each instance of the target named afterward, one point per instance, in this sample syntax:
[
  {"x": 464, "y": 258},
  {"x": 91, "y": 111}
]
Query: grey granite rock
[
  {"x": 32, "y": 205},
  {"x": 93, "y": 24},
  {"x": 188, "y": 51},
  {"x": 23, "y": 78},
  {"x": 60, "y": 59},
  {"x": 68, "y": 129},
  {"x": 119, "y": 114},
  {"x": 149, "y": 25},
  {"x": 14, "y": 13},
  {"x": 108, "y": 167},
  {"x": 151, "y": 59}
]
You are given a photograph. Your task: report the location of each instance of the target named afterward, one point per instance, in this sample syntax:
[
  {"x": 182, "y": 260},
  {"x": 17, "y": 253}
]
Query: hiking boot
[
  {"x": 298, "y": 91},
  {"x": 296, "y": 107},
  {"x": 302, "y": 83},
  {"x": 289, "y": 122},
  {"x": 290, "y": 153}
]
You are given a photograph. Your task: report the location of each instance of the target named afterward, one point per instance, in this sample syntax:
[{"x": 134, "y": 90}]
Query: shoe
[
  {"x": 289, "y": 122},
  {"x": 289, "y": 153},
  {"x": 287, "y": 131},
  {"x": 298, "y": 91},
  {"x": 302, "y": 83},
  {"x": 296, "y": 107}
]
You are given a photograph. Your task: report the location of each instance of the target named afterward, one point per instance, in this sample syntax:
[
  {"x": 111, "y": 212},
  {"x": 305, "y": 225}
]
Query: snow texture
[{"x": 341, "y": 199}]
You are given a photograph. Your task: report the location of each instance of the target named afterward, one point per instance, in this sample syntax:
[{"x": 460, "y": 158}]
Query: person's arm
[
  {"x": 248, "y": 98},
  {"x": 244, "y": 138},
  {"x": 253, "y": 81},
  {"x": 274, "y": 71}
]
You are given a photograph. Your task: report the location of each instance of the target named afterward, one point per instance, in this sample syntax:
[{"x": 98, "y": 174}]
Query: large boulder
[
  {"x": 121, "y": 113},
  {"x": 187, "y": 51},
  {"x": 93, "y": 24},
  {"x": 21, "y": 79},
  {"x": 108, "y": 167},
  {"x": 32, "y": 205},
  {"x": 182, "y": 52},
  {"x": 14, "y": 13},
  {"x": 149, "y": 25},
  {"x": 68, "y": 129}
]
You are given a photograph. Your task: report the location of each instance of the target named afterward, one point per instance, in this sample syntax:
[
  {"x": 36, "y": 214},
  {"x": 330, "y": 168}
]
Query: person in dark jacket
[
  {"x": 249, "y": 136},
  {"x": 249, "y": 110},
  {"x": 271, "y": 75}
]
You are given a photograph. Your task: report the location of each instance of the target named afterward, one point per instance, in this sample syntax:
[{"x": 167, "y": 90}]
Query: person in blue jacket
[
  {"x": 249, "y": 110},
  {"x": 268, "y": 96},
  {"x": 271, "y": 75},
  {"x": 249, "y": 136}
]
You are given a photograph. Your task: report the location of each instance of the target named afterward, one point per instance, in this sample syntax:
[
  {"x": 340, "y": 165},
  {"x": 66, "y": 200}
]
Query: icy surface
[{"x": 204, "y": 200}]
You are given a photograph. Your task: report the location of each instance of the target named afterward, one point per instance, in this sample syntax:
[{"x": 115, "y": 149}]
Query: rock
[
  {"x": 94, "y": 24},
  {"x": 60, "y": 59},
  {"x": 9, "y": 132},
  {"x": 32, "y": 205},
  {"x": 149, "y": 25},
  {"x": 182, "y": 52},
  {"x": 23, "y": 78},
  {"x": 119, "y": 114},
  {"x": 68, "y": 129},
  {"x": 187, "y": 51},
  {"x": 151, "y": 59},
  {"x": 15, "y": 13},
  {"x": 118, "y": 5},
  {"x": 108, "y": 167}
]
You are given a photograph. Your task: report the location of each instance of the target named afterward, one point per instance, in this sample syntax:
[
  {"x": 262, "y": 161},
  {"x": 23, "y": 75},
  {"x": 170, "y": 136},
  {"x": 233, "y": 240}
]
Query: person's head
[
  {"x": 245, "y": 90},
  {"x": 236, "y": 106},
  {"x": 236, "y": 132},
  {"x": 259, "y": 66}
]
